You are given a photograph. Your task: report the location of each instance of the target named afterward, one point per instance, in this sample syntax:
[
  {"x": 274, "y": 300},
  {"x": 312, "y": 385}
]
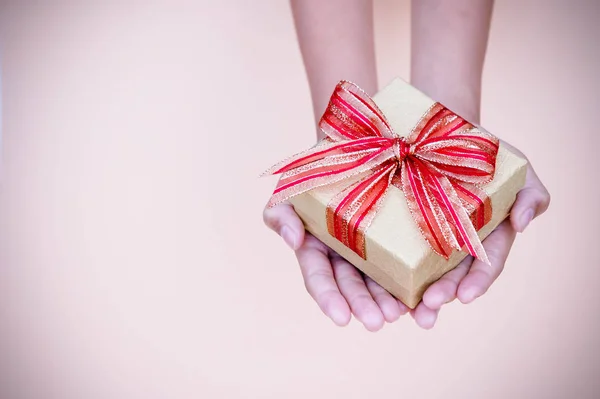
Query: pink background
[{"x": 133, "y": 259}]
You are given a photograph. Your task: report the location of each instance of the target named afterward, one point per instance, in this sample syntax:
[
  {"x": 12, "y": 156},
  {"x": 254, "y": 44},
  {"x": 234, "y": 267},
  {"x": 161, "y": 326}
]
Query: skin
[{"x": 449, "y": 41}]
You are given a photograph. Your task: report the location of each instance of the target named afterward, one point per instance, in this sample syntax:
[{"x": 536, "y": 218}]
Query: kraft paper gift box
[{"x": 398, "y": 257}]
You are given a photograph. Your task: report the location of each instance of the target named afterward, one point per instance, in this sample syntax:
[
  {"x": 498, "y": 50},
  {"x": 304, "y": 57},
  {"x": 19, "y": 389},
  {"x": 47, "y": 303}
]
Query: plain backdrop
[{"x": 133, "y": 258}]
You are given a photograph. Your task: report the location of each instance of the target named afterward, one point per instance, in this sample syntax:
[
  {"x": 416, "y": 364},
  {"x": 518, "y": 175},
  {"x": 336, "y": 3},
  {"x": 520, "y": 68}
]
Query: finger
[
  {"x": 320, "y": 281},
  {"x": 391, "y": 308},
  {"x": 353, "y": 288},
  {"x": 283, "y": 220},
  {"x": 532, "y": 201},
  {"x": 424, "y": 316},
  {"x": 481, "y": 276},
  {"x": 444, "y": 290}
]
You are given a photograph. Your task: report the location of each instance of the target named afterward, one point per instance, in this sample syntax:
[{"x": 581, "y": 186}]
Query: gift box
[{"x": 402, "y": 187}]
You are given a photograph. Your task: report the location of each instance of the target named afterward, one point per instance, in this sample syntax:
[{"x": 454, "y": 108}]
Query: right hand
[{"x": 339, "y": 288}]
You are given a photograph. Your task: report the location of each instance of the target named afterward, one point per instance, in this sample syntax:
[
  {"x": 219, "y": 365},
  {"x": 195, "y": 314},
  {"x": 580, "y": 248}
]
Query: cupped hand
[
  {"x": 341, "y": 290},
  {"x": 472, "y": 278}
]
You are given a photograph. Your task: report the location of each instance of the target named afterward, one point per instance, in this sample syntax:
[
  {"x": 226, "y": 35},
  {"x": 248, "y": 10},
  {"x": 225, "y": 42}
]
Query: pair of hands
[{"x": 341, "y": 290}]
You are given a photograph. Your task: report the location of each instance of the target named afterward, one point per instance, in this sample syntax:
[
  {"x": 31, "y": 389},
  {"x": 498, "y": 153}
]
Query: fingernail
[
  {"x": 288, "y": 236},
  {"x": 526, "y": 219}
]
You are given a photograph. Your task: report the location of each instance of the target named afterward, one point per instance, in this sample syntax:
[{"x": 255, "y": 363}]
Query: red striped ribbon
[{"x": 438, "y": 166}]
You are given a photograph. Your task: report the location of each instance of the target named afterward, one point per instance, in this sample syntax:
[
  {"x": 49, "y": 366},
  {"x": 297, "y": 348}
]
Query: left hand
[{"x": 472, "y": 278}]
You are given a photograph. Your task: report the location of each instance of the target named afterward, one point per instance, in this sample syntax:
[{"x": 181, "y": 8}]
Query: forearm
[
  {"x": 336, "y": 41},
  {"x": 448, "y": 45},
  {"x": 449, "y": 41}
]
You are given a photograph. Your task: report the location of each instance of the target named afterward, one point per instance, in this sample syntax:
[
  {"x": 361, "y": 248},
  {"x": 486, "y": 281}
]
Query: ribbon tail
[
  {"x": 440, "y": 215},
  {"x": 425, "y": 210},
  {"x": 350, "y": 213},
  {"x": 476, "y": 201},
  {"x": 458, "y": 214}
]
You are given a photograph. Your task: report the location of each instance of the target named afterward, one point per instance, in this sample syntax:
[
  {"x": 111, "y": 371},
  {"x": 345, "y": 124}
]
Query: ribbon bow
[{"x": 438, "y": 167}]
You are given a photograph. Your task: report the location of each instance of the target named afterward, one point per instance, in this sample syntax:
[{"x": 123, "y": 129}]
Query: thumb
[
  {"x": 283, "y": 220},
  {"x": 532, "y": 201}
]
